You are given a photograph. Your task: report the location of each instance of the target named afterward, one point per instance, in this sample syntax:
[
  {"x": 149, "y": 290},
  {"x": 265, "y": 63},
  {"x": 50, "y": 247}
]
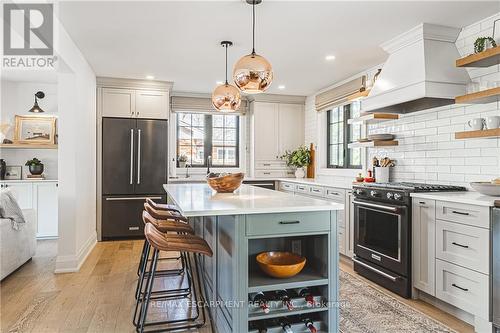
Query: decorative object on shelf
[
  {"x": 311, "y": 167},
  {"x": 279, "y": 264},
  {"x": 13, "y": 172},
  {"x": 7, "y": 142},
  {"x": 484, "y": 43},
  {"x": 359, "y": 178},
  {"x": 226, "y": 97},
  {"x": 3, "y": 169},
  {"x": 253, "y": 74},
  {"x": 182, "y": 160},
  {"x": 495, "y": 30},
  {"x": 486, "y": 188},
  {"x": 35, "y": 166},
  {"x": 225, "y": 183},
  {"x": 299, "y": 158},
  {"x": 380, "y": 137},
  {"x": 35, "y": 129},
  {"x": 476, "y": 124},
  {"x": 492, "y": 122},
  {"x": 36, "y": 108},
  {"x": 4, "y": 128}
]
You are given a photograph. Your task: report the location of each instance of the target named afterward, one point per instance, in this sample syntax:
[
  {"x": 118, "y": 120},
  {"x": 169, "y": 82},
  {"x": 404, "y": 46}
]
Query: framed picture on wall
[
  {"x": 13, "y": 172},
  {"x": 35, "y": 130}
]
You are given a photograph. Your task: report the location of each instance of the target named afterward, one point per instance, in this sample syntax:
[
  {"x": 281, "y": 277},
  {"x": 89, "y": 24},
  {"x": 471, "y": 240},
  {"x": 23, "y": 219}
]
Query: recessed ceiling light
[
  {"x": 330, "y": 57},
  {"x": 281, "y": 86},
  {"x": 150, "y": 77},
  {"x": 219, "y": 83}
]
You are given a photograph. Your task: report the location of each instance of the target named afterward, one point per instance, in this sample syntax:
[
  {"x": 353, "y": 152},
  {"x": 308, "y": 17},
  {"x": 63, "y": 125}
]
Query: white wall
[
  {"x": 77, "y": 155},
  {"x": 427, "y": 151},
  {"x": 17, "y": 99}
]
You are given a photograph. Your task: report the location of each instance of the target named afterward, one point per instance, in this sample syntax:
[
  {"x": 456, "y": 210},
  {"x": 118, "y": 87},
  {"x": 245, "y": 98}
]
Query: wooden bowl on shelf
[
  {"x": 225, "y": 183},
  {"x": 280, "y": 265}
]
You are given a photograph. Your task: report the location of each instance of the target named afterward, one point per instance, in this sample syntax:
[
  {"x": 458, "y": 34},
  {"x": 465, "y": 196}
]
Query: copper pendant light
[
  {"x": 253, "y": 74},
  {"x": 226, "y": 97}
]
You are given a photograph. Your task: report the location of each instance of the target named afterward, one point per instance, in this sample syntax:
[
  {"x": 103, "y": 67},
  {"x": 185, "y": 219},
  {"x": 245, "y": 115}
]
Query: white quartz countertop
[
  {"x": 468, "y": 197},
  {"x": 28, "y": 180},
  {"x": 195, "y": 199}
]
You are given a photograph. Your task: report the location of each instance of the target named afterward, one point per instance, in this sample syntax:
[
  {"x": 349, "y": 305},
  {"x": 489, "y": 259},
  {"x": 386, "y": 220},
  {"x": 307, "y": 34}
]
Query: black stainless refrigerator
[{"x": 134, "y": 167}]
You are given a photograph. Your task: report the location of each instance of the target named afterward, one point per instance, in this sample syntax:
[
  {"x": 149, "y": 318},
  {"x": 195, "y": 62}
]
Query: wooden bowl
[
  {"x": 226, "y": 184},
  {"x": 280, "y": 265}
]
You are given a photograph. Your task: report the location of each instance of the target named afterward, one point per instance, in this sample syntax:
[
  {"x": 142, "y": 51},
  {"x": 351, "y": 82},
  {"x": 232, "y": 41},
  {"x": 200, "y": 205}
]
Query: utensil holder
[{"x": 382, "y": 174}]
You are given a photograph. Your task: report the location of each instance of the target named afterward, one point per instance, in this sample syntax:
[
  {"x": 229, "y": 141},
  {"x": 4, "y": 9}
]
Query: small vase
[
  {"x": 3, "y": 169},
  {"x": 300, "y": 173},
  {"x": 182, "y": 164},
  {"x": 36, "y": 169}
]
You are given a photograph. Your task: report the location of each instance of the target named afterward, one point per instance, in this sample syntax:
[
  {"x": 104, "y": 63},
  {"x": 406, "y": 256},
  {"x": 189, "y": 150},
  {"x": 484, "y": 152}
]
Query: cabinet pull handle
[
  {"x": 460, "y": 213},
  {"x": 289, "y": 222},
  {"x": 266, "y": 164},
  {"x": 266, "y": 173},
  {"x": 131, "y": 156},
  {"x": 317, "y": 191},
  {"x": 464, "y": 246},
  {"x": 464, "y": 289},
  {"x": 422, "y": 202},
  {"x": 138, "y": 157}
]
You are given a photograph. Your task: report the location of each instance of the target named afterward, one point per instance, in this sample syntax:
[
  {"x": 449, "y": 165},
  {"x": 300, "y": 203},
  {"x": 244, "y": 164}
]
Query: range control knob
[
  {"x": 360, "y": 192},
  {"x": 398, "y": 196},
  {"x": 374, "y": 193},
  {"x": 389, "y": 195}
]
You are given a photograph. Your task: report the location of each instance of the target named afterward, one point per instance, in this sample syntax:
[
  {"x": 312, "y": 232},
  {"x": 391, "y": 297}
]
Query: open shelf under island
[{"x": 238, "y": 226}]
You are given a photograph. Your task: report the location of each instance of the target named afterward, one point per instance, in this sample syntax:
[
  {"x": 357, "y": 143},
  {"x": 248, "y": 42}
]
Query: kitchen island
[{"x": 240, "y": 225}]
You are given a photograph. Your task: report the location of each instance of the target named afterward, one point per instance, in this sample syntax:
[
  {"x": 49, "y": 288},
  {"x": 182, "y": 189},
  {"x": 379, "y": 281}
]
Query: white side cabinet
[
  {"x": 131, "y": 103},
  {"x": 42, "y": 197},
  {"x": 45, "y": 203},
  {"x": 424, "y": 245}
]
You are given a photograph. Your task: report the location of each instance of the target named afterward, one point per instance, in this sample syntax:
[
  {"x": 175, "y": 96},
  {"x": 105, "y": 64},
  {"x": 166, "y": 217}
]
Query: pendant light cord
[
  {"x": 226, "y": 64},
  {"x": 253, "y": 27}
]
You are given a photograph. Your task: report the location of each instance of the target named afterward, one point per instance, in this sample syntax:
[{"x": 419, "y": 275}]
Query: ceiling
[{"x": 179, "y": 40}]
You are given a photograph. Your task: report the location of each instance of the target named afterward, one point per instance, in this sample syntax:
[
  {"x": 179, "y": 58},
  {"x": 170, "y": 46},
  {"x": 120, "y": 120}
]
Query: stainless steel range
[{"x": 382, "y": 232}]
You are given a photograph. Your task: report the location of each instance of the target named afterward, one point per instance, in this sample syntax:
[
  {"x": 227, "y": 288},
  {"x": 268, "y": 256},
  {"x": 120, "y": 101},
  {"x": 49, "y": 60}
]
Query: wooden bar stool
[
  {"x": 159, "y": 206},
  {"x": 189, "y": 244},
  {"x": 164, "y": 226}
]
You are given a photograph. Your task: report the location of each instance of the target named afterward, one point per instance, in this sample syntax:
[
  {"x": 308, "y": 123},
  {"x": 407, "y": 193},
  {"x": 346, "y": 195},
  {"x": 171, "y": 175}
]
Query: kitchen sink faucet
[{"x": 209, "y": 161}]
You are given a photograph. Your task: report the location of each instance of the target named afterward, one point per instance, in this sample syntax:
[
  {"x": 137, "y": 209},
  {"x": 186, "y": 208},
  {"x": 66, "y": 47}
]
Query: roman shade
[
  {"x": 195, "y": 104},
  {"x": 339, "y": 94}
]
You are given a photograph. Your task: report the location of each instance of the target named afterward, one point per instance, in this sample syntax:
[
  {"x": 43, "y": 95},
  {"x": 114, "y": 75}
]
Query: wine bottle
[
  {"x": 307, "y": 294},
  {"x": 260, "y": 299},
  {"x": 309, "y": 324},
  {"x": 285, "y": 298},
  {"x": 285, "y": 325}
]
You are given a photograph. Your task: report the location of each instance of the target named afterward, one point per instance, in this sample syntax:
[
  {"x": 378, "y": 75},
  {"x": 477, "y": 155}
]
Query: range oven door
[{"x": 381, "y": 235}]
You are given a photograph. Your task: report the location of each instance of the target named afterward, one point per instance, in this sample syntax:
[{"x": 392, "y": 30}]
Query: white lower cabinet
[{"x": 40, "y": 196}]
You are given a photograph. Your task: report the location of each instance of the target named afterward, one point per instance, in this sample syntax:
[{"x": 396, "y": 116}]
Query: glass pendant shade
[
  {"x": 226, "y": 98},
  {"x": 253, "y": 74}
]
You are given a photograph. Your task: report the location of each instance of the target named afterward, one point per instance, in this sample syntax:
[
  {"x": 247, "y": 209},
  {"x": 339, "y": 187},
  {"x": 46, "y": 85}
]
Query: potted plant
[
  {"x": 298, "y": 159},
  {"x": 35, "y": 166},
  {"x": 182, "y": 160}
]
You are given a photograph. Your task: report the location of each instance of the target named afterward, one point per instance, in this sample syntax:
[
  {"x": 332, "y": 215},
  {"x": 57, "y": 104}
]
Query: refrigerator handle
[
  {"x": 131, "y": 156},
  {"x": 138, "y": 157}
]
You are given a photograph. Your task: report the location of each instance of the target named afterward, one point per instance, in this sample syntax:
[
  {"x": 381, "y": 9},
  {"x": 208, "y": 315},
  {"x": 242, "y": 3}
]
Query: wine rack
[{"x": 296, "y": 323}]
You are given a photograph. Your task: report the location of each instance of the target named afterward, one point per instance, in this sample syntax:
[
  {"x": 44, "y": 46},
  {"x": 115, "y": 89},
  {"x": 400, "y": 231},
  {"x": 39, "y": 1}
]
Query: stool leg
[
  {"x": 142, "y": 257},
  {"x": 138, "y": 291},
  {"x": 147, "y": 292}
]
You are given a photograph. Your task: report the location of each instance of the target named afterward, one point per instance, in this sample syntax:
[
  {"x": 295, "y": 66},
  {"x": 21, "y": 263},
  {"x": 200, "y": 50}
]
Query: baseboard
[{"x": 73, "y": 263}]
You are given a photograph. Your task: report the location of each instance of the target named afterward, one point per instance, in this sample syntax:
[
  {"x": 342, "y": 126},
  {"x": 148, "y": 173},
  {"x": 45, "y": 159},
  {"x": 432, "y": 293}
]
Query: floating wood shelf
[
  {"x": 487, "y": 58},
  {"x": 480, "y": 97},
  {"x": 26, "y": 146},
  {"x": 375, "y": 143},
  {"x": 478, "y": 134},
  {"x": 373, "y": 118},
  {"x": 358, "y": 95}
]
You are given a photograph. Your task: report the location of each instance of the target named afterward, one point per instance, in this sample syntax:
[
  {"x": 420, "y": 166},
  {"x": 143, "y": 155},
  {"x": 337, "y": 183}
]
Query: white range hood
[{"x": 419, "y": 73}]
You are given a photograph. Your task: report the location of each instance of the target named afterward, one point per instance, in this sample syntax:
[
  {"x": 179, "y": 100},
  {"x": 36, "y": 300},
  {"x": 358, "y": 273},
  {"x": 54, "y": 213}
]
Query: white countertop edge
[
  {"x": 262, "y": 211},
  {"x": 28, "y": 180},
  {"x": 468, "y": 197},
  {"x": 313, "y": 181}
]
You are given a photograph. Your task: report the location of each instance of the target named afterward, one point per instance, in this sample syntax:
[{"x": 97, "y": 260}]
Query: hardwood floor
[{"x": 99, "y": 298}]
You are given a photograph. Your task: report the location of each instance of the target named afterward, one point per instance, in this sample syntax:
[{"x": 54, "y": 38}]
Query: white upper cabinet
[
  {"x": 266, "y": 122},
  {"x": 118, "y": 103},
  {"x": 291, "y": 127},
  {"x": 151, "y": 104}
]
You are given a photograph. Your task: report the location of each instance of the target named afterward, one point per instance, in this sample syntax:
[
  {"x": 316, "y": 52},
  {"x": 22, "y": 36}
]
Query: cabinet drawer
[
  {"x": 317, "y": 191},
  {"x": 287, "y": 223},
  {"x": 463, "y": 245},
  {"x": 463, "y": 288},
  {"x": 288, "y": 187},
  {"x": 467, "y": 214},
  {"x": 335, "y": 194},
  {"x": 270, "y": 165},
  {"x": 301, "y": 188},
  {"x": 273, "y": 173}
]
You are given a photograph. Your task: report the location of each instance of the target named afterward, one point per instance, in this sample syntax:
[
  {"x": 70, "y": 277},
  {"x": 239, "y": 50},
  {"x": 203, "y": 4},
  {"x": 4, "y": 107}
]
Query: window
[
  {"x": 340, "y": 134},
  {"x": 202, "y": 135}
]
